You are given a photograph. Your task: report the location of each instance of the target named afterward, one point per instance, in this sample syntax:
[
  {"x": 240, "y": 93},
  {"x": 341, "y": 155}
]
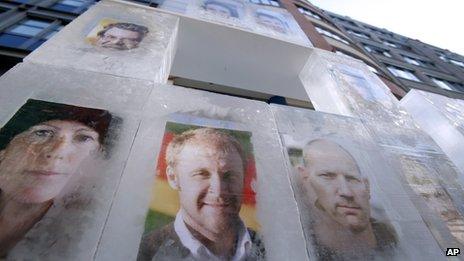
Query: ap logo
[{"x": 452, "y": 251}]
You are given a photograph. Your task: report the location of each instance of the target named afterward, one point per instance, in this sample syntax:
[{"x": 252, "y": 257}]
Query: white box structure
[
  {"x": 442, "y": 118},
  {"x": 115, "y": 38}
]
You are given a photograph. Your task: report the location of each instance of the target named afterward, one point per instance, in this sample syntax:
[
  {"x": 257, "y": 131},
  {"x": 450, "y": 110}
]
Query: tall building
[
  {"x": 402, "y": 63},
  {"x": 414, "y": 64}
]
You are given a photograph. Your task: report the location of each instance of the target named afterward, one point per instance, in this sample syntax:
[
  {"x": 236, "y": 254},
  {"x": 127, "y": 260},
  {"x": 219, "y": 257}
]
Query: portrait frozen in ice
[
  {"x": 222, "y": 8},
  {"x": 334, "y": 196},
  {"x": 41, "y": 150},
  {"x": 117, "y": 35},
  {"x": 203, "y": 201},
  {"x": 271, "y": 20}
]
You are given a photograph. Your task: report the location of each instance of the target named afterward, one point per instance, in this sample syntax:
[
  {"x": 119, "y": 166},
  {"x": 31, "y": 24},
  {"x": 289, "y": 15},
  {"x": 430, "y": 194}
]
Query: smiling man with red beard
[
  {"x": 338, "y": 197},
  {"x": 207, "y": 167}
]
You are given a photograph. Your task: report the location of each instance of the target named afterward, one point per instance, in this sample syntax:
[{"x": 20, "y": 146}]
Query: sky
[{"x": 439, "y": 23}]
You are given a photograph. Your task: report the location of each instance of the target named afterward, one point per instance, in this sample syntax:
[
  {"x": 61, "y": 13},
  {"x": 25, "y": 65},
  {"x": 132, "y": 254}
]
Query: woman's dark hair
[{"x": 34, "y": 112}]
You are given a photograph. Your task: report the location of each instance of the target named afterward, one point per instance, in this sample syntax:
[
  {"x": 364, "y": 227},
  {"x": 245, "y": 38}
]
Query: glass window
[
  {"x": 446, "y": 59},
  {"x": 442, "y": 84},
  {"x": 309, "y": 13},
  {"x": 36, "y": 23},
  {"x": 71, "y": 5},
  {"x": 344, "y": 20},
  {"x": 403, "y": 73},
  {"x": 358, "y": 34},
  {"x": 11, "y": 40},
  {"x": 266, "y": 2},
  {"x": 26, "y": 30},
  {"x": 380, "y": 32},
  {"x": 412, "y": 61},
  {"x": 28, "y": 27},
  {"x": 387, "y": 43},
  {"x": 17, "y": 35},
  {"x": 458, "y": 63},
  {"x": 377, "y": 50},
  {"x": 386, "y": 53},
  {"x": 331, "y": 35},
  {"x": 368, "y": 48},
  {"x": 443, "y": 57}
]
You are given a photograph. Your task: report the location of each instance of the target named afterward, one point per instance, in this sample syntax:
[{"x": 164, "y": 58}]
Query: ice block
[
  {"x": 114, "y": 37},
  {"x": 76, "y": 129}
]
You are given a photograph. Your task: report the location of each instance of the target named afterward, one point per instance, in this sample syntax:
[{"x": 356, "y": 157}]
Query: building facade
[{"x": 400, "y": 62}]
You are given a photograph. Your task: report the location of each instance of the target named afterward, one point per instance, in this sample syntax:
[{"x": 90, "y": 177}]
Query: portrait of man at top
[
  {"x": 338, "y": 196},
  {"x": 121, "y": 36},
  {"x": 207, "y": 167},
  {"x": 221, "y": 8}
]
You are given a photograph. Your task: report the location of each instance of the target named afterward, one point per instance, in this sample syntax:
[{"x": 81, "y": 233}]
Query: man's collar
[{"x": 197, "y": 249}]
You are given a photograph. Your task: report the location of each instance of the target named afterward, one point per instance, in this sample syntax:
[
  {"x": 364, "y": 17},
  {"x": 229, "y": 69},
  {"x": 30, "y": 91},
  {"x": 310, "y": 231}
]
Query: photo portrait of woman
[{"x": 41, "y": 148}]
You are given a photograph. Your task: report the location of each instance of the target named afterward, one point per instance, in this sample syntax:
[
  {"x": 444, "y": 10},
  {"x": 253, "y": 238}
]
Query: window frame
[
  {"x": 308, "y": 12},
  {"x": 60, "y": 6},
  {"x": 332, "y": 35},
  {"x": 403, "y": 73},
  {"x": 261, "y": 2},
  {"x": 447, "y": 85},
  {"x": 358, "y": 34},
  {"x": 29, "y": 41}
]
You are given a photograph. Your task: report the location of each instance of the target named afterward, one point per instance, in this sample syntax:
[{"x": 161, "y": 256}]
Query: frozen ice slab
[
  {"x": 436, "y": 189},
  {"x": 355, "y": 91},
  {"x": 391, "y": 135},
  {"x": 442, "y": 118},
  {"x": 270, "y": 21},
  {"x": 337, "y": 84},
  {"x": 84, "y": 109},
  {"x": 147, "y": 201},
  {"x": 333, "y": 160},
  {"x": 116, "y": 38},
  {"x": 340, "y": 85}
]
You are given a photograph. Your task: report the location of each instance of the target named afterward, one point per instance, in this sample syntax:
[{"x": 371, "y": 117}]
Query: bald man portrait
[{"x": 337, "y": 195}]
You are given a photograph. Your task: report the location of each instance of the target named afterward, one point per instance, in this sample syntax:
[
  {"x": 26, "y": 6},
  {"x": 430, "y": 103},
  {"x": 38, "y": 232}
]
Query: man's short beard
[{"x": 353, "y": 229}]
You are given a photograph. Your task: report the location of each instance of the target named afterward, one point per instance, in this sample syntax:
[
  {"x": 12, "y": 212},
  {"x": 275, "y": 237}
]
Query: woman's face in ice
[{"x": 37, "y": 163}]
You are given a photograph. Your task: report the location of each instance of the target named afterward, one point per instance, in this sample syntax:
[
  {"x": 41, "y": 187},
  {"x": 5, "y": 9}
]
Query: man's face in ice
[
  {"x": 335, "y": 185},
  {"x": 120, "y": 39},
  {"x": 218, "y": 9},
  {"x": 37, "y": 163},
  {"x": 209, "y": 178},
  {"x": 273, "y": 23}
]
